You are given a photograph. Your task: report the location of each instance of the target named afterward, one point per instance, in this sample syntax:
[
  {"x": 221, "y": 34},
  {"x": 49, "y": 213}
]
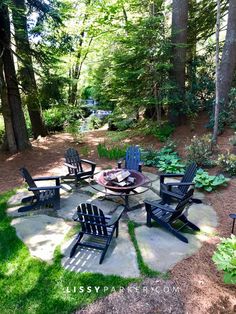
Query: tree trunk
[
  {"x": 14, "y": 100},
  {"x": 7, "y": 116},
  {"x": 179, "y": 42},
  {"x": 217, "y": 99},
  {"x": 228, "y": 61},
  {"x": 27, "y": 76}
]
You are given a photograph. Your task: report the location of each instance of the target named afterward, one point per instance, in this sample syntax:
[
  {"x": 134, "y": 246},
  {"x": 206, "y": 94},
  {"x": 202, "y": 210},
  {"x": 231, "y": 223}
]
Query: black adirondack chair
[
  {"x": 233, "y": 216},
  {"x": 178, "y": 190},
  {"x": 132, "y": 159},
  {"x": 98, "y": 227},
  {"x": 165, "y": 215},
  {"x": 75, "y": 166},
  {"x": 42, "y": 196}
]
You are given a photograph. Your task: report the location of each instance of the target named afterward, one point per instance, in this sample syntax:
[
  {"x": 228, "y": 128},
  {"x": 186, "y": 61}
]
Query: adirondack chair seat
[
  {"x": 75, "y": 166},
  {"x": 97, "y": 228},
  {"x": 166, "y": 215},
  {"x": 132, "y": 159},
  {"x": 47, "y": 196}
]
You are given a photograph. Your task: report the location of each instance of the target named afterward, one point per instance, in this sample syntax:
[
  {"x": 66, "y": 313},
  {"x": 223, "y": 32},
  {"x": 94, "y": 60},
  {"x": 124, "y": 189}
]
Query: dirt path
[{"x": 199, "y": 281}]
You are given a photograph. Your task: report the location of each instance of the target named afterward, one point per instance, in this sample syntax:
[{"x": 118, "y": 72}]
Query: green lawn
[{"x": 28, "y": 285}]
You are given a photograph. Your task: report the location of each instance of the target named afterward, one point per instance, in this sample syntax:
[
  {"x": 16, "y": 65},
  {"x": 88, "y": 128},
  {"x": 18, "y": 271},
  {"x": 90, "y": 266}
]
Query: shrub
[
  {"x": 200, "y": 150},
  {"x": 171, "y": 164},
  {"x": 54, "y": 119},
  {"x": 120, "y": 124},
  {"x": 225, "y": 258},
  {"x": 111, "y": 153},
  {"x": 94, "y": 123},
  {"x": 232, "y": 140},
  {"x": 207, "y": 182},
  {"x": 74, "y": 129},
  {"x": 2, "y": 133},
  {"x": 152, "y": 157},
  {"x": 162, "y": 132},
  {"x": 227, "y": 162}
]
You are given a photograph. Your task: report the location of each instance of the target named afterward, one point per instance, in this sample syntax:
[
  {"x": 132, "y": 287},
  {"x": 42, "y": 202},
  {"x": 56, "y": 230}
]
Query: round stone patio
[{"x": 43, "y": 230}]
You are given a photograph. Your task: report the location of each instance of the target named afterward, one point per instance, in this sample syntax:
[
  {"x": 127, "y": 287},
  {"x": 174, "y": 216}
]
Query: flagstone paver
[
  {"x": 41, "y": 234},
  {"x": 160, "y": 250},
  {"x": 120, "y": 258}
]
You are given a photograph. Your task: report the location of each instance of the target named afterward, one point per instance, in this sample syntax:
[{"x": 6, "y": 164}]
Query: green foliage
[
  {"x": 73, "y": 128},
  {"x": 38, "y": 287},
  {"x": 166, "y": 159},
  {"x": 111, "y": 153},
  {"x": 200, "y": 150},
  {"x": 54, "y": 119},
  {"x": 162, "y": 132},
  {"x": 225, "y": 258},
  {"x": 171, "y": 164},
  {"x": 227, "y": 162},
  {"x": 94, "y": 123},
  {"x": 2, "y": 132},
  {"x": 207, "y": 182}
]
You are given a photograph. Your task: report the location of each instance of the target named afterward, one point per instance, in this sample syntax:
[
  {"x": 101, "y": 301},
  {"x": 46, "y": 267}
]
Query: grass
[
  {"x": 29, "y": 285},
  {"x": 144, "y": 269},
  {"x": 113, "y": 153}
]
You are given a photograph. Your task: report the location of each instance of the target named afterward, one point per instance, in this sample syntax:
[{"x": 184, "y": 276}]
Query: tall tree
[
  {"x": 13, "y": 95},
  {"x": 228, "y": 60},
  {"x": 179, "y": 42},
  {"x": 26, "y": 71},
  {"x": 217, "y": 100}
]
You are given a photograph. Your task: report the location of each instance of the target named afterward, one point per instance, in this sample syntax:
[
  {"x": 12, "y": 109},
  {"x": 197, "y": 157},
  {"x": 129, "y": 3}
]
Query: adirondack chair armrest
[
  {"x": 45, "y": 188},
  {"x": 157, "y": 204},
  {"x": 116, "y": 216},
  {"x": 88, "y": 162},
  {"x": 119, "y": 162},
  {"x": 174, "y": 195},
  {"x": 75, "y": 217},
  {"x": 46, "y": 178},
  {"x": 170, "y": 175},
  {"x": 70, "y": 166},
  {"x": 179, "y": 183}
]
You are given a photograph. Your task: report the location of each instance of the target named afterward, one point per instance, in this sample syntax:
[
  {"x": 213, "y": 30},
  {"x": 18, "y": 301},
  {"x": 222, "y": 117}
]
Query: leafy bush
[
  {"x": 232, "y": 139},
  {"x": 94, "y": 123},
  {"x": 225, "y": 258},
  {"x": 162, "y": 132},
  {"x": 2, "y": 133},
  {"x": 200, "y": 150},
  {"x": 171, "y": 164},
  {"x": 165, "y": 159},
  {"x": 74, "y": 129},
  {"x": 207, "y": 182},
  {"x": 227, "y": 162},
  {"x": 111, "y": 153},
  {"x": 54, "y": 119},
  {"x": 120, "y": 124}
]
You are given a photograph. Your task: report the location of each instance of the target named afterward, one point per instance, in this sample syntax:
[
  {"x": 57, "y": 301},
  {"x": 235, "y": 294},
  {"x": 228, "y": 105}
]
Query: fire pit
[
  {"x": 131, "y": 188},
  {"x": 139, "y": 180}
]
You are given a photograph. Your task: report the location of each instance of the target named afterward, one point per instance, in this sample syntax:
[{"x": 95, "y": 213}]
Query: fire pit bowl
[{"x": 140, "y": 180}]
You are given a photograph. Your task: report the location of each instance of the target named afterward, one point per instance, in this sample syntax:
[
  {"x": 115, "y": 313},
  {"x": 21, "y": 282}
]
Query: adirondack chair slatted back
[
  {"x": 92, "y": 219},
  {"x": 182, "y": 204},
  {"x": 188, "y": 176},
  {"x": 28, "y": 179},
  {"x": 133, "y": 158},
  {"x": 72, "y": 158}
]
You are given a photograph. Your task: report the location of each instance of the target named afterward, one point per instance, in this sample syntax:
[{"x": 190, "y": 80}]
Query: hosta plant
[
  {"x": 207, "y": 182},
  {"x": 171, "y": 164},
  {"x": 225, "y": 258}
]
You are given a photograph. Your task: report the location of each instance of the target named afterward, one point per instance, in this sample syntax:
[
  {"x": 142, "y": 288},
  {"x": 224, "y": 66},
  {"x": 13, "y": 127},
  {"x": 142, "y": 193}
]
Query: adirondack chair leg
[
  {"x": 178, "y": 235},
  {"x": 189, "y": 223},
  {"x": 149, "y": 219},
  {"x": 117, "y": 229},
  {"x": 27, "y": 199},
  {"x": 57, "y": 200},
  {"x": 28, "y": 207},
  {"x": 233, "y": 225},
  {"x": 79, "y": 237},
  {"x": 103, "y": 253}
]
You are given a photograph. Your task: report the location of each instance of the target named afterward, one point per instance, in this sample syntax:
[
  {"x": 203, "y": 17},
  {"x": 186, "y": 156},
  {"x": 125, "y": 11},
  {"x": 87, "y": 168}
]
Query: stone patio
[{"x": 44, "y": 229}]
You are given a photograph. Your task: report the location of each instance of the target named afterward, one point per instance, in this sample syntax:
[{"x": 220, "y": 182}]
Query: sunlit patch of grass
[{"x": 28, "y": 285}]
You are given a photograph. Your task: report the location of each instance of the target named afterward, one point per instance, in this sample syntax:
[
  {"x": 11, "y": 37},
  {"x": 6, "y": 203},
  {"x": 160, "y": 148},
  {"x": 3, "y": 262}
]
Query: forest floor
[{"x": 200, "y": 283}]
